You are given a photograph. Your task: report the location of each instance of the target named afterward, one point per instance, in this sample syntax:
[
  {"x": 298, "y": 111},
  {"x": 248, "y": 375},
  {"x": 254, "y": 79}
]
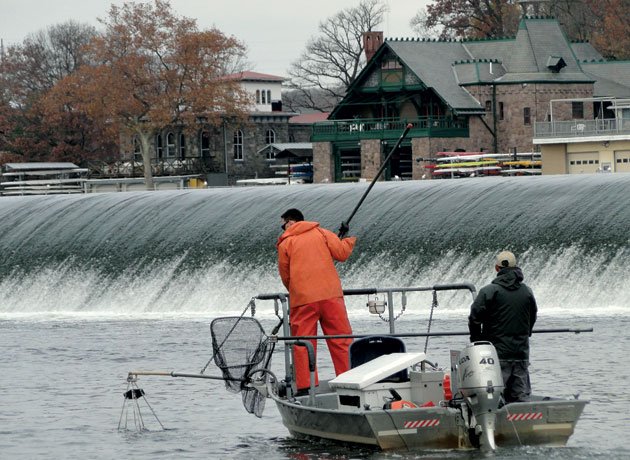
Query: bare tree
[
  {"x": 333, "y": 59},
  {"x": 468, "y": 18},
  {"x": 44, "y": 58}
]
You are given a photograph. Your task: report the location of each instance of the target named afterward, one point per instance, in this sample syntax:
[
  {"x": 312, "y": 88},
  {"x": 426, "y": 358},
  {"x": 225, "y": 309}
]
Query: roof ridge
[
  {"x": 422, "y": 39},
  {"x": 478, "y": 61}
]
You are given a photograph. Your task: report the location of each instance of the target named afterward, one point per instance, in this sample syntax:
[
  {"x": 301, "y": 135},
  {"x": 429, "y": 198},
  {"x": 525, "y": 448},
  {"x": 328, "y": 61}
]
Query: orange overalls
[{"x": 306, "y": 255}]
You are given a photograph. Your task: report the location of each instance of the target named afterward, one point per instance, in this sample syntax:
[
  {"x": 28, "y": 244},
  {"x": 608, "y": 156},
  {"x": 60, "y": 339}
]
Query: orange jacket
[{"x": 306, "y": 255}]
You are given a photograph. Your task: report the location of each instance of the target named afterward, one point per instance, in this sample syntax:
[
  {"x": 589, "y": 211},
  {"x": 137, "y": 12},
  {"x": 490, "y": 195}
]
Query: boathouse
[{"x": 482, "y": 95}]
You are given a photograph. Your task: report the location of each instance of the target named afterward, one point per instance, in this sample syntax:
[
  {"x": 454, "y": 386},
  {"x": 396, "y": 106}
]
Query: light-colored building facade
[{"x": 586, "y": 145}]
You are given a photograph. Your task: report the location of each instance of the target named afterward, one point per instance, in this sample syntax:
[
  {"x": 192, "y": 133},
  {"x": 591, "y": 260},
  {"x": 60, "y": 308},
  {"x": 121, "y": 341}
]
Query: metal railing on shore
[
  {"x": 160, "y": 167},
  {"x": 582, "y": 128}
]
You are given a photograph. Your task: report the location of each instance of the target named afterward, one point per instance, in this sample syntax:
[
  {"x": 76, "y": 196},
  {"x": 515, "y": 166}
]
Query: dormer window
[{"x": 555, "y": 63}]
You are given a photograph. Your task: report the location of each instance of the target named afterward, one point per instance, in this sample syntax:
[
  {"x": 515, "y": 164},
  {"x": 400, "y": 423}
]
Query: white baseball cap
[{"x": 505, "y": 259}]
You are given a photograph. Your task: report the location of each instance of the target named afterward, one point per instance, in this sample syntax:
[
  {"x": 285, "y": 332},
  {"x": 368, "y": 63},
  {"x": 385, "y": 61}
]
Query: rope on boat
[
  {"x": 507, "y": 411},
  {"x": 434, "y": 305}
]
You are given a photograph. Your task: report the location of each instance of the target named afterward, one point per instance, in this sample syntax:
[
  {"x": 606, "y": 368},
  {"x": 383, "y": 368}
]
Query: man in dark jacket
[{"x": 504, "y": 313}]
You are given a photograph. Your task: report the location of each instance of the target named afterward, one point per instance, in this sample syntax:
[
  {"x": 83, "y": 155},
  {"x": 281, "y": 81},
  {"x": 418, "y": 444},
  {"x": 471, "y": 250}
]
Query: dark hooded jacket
[{"x": 504, "y": 313}]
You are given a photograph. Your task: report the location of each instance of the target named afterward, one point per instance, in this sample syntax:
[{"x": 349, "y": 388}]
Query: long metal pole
[
  {"x": 378, "y": 174},
  {"x": 423, "y": 334},
  {"x": 135, "y": 374}
]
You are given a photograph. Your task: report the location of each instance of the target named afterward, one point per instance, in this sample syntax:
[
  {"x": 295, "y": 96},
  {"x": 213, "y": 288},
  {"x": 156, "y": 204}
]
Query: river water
[
  {"x": 63, "y": 382},
  {"x": 94, "y": 286}
]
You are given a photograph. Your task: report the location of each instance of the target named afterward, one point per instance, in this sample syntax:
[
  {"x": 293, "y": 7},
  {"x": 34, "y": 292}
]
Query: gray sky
[{"x": 275, "y": 31}]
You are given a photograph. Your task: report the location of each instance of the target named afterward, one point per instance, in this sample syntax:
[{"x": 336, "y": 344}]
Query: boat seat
[
  {"x": 369, "y": 348},
  {"x": 373, "y": 372}
]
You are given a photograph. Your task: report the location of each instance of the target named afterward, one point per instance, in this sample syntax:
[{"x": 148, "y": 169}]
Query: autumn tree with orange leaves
[
  {"x": 27, "y": 72},
  {"x": 153, "y": 70},
  {"x": 611, "y": 27}
]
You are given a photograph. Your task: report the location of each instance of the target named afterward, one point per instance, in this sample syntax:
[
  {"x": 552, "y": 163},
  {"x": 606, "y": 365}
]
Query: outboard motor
[{"x": 480, "y": 381}]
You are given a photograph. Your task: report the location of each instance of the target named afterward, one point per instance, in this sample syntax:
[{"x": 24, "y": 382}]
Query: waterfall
[{"x": 209, "y": 251}]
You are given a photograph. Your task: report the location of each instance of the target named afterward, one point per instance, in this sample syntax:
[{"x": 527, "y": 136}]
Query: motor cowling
[{"x": 480, "y": 382}]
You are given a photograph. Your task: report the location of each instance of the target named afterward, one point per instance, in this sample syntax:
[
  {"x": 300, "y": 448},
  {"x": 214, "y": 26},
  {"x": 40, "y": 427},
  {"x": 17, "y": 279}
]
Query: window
[
  {"x": 205, "y": 144},
  {"x": 137, "y": 151},
  {"x": 391, "y": 72},
  {"x": 501, "y": 113},
  {"x": 391, "y": 64},
  {"x": 268, "y": 96},
  {"x": 257, "y": 96},
  {"x": 488, "y": 106},
  {"x": 159, "y": 147},
  {"x": 270, "y": 136},
  {"x": 527, "y": 116},
  {"x": 238, "y": 145},
  {"x": 264, "y": 96},
  {"x": 577, "y": 110},
  {"x": 182, "y": 146},
  {"x": 170, "y": 145}
]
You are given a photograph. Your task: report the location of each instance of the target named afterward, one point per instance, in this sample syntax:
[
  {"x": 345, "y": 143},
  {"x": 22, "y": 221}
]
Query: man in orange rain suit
[{"x": 306, "y": 255}]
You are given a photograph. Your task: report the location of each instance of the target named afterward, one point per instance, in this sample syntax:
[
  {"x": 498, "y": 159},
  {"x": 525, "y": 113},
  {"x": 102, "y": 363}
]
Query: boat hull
[{"x": 542, "y": 423}]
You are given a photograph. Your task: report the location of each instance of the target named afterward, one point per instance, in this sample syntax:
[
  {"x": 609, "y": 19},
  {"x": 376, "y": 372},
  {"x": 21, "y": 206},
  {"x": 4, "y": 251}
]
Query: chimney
[{"x": 372, "y": 41}]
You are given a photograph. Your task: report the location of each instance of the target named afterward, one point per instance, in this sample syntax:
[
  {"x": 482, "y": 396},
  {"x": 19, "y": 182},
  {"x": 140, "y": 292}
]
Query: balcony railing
[
  {"x": 582, "y": 128},
  {"x": 387, "y": 128}
]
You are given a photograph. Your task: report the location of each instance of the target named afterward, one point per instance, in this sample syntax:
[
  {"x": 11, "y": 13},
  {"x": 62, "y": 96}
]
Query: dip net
[{"x": 242, "y": 351}]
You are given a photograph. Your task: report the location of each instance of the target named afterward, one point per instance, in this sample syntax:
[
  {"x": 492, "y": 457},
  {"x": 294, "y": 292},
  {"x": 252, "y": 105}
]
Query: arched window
[
  {"x": 182, "y": 146},
  {"x": 270, "y": 136},
  {"x": 264, "y": 96},
  {"x": 238, "y": 145},
  {"x": 204, "y": 142},
  {"x": 170, "y": 145},
  {"x": 159, "y": 147},
  {"x": 268, "y": 96},
  {"x": 257, "y": 96}
]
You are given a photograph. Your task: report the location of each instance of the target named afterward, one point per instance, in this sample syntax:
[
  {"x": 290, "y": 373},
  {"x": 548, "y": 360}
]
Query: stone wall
[
  {"x": 512, "y": 132},
  {"x": 254, "y": 163},
  {"x": 371, "y": 158},
  {"x": 323, "y": 167},
  {"x": 300, "y": 132}
]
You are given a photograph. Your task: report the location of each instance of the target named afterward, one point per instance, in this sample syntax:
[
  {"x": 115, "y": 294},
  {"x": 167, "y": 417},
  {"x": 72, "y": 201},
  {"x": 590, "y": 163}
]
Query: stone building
[
  {"x": 222, "y": 155},
  {"x": 473, "y": 95}
]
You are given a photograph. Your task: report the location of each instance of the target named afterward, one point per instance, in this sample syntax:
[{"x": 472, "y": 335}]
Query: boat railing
[{"x": 281, "y": 299}]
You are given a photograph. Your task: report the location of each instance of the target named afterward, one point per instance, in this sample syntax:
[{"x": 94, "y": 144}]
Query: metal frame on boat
[{"x": 354, "y": 407}]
